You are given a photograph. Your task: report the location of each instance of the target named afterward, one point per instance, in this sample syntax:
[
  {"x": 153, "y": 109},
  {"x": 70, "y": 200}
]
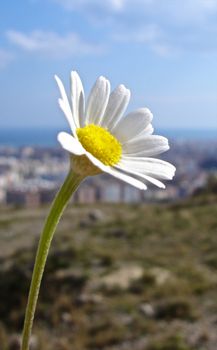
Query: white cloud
[
  {"x": 145, "y": 34},
  {"x": 166, "y": 27},
  {"x": 188, "y": 8},
  {"x": 52, "y": 44},
  {"x": 164, "y": 50},
  {"x": 107, "y": 5},
  {"x": 209, "y": 4},
  {"x": 150, "y": 35},
  {"x": 5, "y": 58}
]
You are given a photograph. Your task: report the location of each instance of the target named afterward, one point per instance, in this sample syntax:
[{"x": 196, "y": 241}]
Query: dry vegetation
[{"x": 117, "y": 278}]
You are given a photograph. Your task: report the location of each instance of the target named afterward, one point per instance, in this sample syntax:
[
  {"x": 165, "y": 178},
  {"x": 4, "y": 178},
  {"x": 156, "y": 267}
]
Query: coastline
[{"x": 18, "y": 137}]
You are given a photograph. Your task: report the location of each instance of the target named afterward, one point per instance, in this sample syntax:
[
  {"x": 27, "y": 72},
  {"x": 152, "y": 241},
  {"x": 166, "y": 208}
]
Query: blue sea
[{"x": 48, "y": 136}]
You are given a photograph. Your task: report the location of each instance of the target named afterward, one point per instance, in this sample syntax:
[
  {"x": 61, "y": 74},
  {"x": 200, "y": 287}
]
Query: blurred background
[{"x": 127, "y": 269}]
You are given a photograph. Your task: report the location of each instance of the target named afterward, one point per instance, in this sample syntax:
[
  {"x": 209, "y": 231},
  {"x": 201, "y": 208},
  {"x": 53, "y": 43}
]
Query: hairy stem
[{"x": 70, "y": 184}]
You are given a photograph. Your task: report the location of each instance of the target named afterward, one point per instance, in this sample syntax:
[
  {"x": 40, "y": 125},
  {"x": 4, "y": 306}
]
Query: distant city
[{"x": 31, "y": 175}]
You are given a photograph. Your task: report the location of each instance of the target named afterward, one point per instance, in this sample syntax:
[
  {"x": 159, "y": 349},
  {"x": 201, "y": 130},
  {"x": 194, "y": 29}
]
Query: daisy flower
[{"x": 104, "y": 140}]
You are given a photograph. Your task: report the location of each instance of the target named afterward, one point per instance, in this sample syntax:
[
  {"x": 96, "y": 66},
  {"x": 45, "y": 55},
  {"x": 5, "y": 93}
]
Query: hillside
[{"x": 118, "y": 277}]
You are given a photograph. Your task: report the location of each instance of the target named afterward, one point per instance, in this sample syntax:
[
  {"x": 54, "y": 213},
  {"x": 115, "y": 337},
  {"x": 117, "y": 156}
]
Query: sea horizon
[{"x": 45, "y": 136}]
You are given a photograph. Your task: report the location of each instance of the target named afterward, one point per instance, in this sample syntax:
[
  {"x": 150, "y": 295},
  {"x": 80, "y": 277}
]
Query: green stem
[{"x": 70, "y": 184}]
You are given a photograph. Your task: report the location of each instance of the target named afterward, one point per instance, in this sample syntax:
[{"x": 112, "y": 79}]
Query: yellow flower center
[{"x": 100, "y": 143}]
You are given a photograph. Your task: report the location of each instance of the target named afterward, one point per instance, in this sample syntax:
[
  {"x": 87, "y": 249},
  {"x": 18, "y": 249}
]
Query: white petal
[
  {"x": 149, "y": 166},
  {"x": 64, "y": 104},
  {"x": 153, "y": 181},
  {"x": 97, "y": 101},
  {"x": 117, "y": 104},
  {"x": 132, "y": 124},
  {"x": 147, "y": 131},
  {"x": 128, "y": 179},
  {"x": 146, "y": 147},
  {"x": 70, "y": 144},
  {"x": 77, "y": 96},
  {"x": 138, "y": 174}
]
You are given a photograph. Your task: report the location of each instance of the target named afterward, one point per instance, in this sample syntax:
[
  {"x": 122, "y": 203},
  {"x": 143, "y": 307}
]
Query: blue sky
[{"x": 165, "y": 51}]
